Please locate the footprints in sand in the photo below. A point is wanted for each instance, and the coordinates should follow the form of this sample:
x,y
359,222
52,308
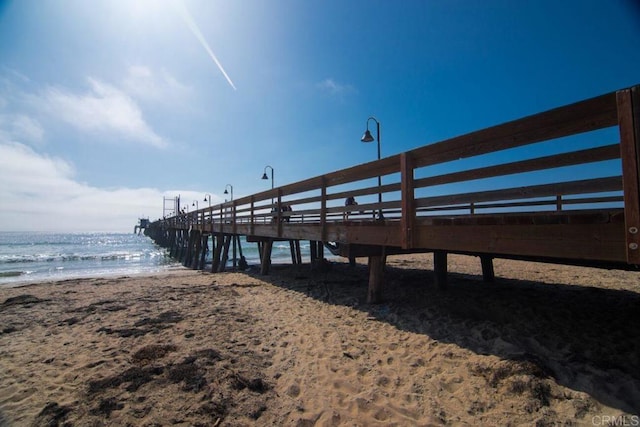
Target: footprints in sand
x,y
293,390
338,361
282,352
121,357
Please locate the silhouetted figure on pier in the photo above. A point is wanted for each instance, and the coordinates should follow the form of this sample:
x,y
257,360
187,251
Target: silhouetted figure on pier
x,y
281,208
349,201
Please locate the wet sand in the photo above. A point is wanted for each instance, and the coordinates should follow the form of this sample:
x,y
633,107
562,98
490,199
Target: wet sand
x,y
544,344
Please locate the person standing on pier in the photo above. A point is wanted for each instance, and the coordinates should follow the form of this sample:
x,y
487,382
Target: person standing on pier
x,y
349,201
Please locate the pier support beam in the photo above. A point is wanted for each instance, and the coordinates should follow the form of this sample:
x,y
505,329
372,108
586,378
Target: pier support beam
x,y
296,255
313,250
488,274
267,246
172,242
242,263
215,262
204,245
184,244
197,247
376,278
225,252
179,245
186,261
440,269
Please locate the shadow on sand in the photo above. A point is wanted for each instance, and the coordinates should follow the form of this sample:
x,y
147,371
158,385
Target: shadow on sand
x,y
586,338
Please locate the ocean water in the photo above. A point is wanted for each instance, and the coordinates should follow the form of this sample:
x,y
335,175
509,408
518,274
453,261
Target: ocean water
x,y
33,257
28,257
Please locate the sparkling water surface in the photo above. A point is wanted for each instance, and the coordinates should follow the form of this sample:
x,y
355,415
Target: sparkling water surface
x,y
32,257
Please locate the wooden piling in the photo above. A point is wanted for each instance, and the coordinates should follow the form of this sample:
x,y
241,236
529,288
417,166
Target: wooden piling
x,y
267,246
187,252
204,242
172,241
178,251
197,247
488,274
313,250
243,262
215,262
376,278
183,245
296,255
440,268
225,252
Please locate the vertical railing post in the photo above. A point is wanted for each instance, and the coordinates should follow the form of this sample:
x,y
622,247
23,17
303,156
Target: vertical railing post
x,y
323,209
407,202
233,215
629,124
221,216
251,215
279,212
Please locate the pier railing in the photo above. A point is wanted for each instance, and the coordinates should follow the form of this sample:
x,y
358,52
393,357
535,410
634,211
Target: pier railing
x,y
572,163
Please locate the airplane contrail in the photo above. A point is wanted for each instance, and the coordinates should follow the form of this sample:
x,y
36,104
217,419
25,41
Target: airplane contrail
x,y
188,19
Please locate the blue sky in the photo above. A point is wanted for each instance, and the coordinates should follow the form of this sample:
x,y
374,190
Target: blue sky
x,y
108,106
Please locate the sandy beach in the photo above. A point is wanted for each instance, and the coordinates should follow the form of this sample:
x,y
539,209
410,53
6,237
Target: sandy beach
x,y
543,345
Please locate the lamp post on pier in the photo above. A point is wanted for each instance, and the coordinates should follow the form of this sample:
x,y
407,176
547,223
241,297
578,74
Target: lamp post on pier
x,y
367,137
195,213
226,192
207,198
264,176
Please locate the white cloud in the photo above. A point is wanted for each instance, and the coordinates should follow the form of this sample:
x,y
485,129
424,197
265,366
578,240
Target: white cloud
x,y
39,193
21,127
334,88
104,109
143,83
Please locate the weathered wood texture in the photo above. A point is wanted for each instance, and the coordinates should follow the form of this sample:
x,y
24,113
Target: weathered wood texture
x,y
629,123
376,277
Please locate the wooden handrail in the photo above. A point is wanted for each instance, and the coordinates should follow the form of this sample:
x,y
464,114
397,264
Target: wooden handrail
x,y
585,186
598,154
591,114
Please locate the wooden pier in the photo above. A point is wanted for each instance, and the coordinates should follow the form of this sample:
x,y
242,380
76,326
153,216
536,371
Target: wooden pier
x,y
579,205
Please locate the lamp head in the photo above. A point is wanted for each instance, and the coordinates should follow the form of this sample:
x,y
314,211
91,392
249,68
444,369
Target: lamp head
x,y
264,176
367,137
205,198
225,191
